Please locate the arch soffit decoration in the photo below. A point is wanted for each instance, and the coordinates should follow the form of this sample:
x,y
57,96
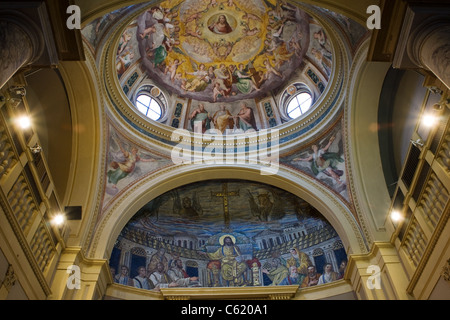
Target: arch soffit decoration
x,y
371,199
88,123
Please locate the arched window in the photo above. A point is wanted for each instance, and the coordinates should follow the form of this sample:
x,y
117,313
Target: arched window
x,y
299,105
296,100
151,102
148,105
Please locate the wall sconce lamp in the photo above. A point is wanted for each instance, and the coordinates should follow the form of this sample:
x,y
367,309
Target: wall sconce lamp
x,y
417,143
36,148
13,102
20,91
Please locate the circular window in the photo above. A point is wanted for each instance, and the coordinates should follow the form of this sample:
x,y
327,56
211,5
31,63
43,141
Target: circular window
x,y
299,105
147,105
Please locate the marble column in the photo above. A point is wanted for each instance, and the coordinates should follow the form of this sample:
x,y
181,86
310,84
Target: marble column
x,y
21,43
429,48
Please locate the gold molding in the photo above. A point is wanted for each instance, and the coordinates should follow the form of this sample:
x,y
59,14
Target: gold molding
x,y
446,271
249,293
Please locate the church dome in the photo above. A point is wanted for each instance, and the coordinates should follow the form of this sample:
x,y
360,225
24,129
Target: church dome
x,y
177,55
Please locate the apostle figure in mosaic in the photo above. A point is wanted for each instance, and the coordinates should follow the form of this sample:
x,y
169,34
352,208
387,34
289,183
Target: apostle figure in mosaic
x,y
233,269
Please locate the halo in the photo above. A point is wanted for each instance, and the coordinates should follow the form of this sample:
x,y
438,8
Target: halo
x,y
227,235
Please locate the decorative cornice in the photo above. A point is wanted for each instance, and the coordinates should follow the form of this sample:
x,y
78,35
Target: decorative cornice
x,y
96,204
259,293
446,271
360,55
10,278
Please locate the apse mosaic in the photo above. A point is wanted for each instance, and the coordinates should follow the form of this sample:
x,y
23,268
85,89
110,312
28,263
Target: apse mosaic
x,y
230,50
227,233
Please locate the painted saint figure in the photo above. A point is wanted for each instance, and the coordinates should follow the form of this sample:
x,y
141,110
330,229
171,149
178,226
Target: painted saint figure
x,y
180,276
123,277
245,119
312,278
221,26
223,119
202,116
277,272
141,281
292,279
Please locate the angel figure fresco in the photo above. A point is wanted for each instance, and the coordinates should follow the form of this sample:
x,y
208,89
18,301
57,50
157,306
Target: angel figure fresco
x,y
323,59
264,208
245,83
157,31
322,39
224,78
124,163
172,67
124,61
124,41
270,70
200,81
187,207
323,161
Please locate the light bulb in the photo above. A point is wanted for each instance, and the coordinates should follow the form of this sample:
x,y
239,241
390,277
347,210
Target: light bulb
x,y
396,216
429,120
24,122
58,219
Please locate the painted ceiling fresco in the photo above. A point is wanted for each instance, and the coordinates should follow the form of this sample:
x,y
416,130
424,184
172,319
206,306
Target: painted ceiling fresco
x,y
227,233
96,31
127,163
222,50
323,160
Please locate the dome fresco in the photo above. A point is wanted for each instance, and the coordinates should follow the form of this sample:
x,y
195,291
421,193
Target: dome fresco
x,y
215,51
